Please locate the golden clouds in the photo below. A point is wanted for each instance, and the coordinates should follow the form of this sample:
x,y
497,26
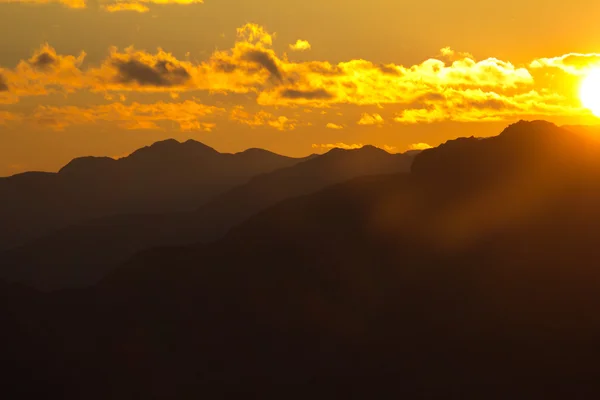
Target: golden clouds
x,y
300,45
419,146
476,105
180,2
66,3
572,63
354,146
334,126
370,119
110,6
6,117
262,118
188,115
138,70
45,72
455,86
343,146
115,7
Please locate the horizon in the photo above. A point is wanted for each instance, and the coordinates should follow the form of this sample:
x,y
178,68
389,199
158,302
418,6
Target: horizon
x,y
105,78
318,150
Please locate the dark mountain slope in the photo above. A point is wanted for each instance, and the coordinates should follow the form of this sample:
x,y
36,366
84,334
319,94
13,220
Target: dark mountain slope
x,y
447,290
83,253
166,177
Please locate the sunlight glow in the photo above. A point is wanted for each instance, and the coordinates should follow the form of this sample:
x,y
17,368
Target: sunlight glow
x,y
589,93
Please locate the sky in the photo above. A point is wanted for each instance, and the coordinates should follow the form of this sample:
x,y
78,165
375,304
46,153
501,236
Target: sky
x,y
103,78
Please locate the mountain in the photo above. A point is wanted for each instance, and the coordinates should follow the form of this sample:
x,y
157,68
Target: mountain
x,y
474,276
82,254
166,177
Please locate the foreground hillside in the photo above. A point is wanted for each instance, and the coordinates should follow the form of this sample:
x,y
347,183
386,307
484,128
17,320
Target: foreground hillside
x,y
474,276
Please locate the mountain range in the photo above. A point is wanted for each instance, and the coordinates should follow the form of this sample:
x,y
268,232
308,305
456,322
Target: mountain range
x,y
473,276
166,177
82,253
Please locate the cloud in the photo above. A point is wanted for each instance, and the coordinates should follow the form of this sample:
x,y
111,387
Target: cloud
x,y
116,7
111,5
262,118
43,73
188,115
45,59
571,63
7,116
66,3
317,94
480,106
338,146
389,149
300,45
370,119
354,146
265,60
453,86
3,84
137,69
419,146
334,126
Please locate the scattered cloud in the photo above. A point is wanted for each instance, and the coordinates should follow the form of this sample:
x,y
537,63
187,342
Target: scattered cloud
x,y
370,119
571,63
300,45
354,146
110,5
419,146
334,126
480,106
116,7
3,84
262,118
454,86
66,3
188,115
7,116
389,149
338,146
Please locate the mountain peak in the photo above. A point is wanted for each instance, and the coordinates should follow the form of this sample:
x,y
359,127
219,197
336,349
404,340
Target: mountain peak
x,y
86,165
531,127
522,146
171,147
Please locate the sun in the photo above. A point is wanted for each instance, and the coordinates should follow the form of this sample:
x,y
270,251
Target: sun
x,y
589,92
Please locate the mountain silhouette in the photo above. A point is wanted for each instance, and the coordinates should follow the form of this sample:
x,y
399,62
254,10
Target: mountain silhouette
x,y
474,276
81,254
167,176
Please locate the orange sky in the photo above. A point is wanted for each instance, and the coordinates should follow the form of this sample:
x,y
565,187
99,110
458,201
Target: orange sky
x,y
81,77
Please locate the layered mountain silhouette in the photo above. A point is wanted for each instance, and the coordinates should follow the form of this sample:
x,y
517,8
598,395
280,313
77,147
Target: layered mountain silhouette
x,y
83,253
476,275
166,177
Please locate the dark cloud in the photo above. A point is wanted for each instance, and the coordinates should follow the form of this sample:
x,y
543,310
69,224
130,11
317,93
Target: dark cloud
x,y
43,60
431,96
487,104
224,66
389,70
318,94
163,73
266,61
176,72
325,70
3,84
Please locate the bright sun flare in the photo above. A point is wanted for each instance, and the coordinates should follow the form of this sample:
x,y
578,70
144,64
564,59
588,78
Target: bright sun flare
x,y
589,93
